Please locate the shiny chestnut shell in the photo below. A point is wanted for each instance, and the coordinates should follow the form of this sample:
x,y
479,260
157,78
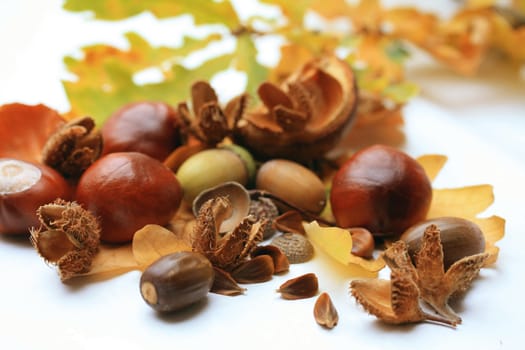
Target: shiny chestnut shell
x,y
128,190
381,189
151,128
18,208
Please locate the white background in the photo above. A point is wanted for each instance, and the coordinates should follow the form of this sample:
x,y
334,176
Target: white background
x,y
477,122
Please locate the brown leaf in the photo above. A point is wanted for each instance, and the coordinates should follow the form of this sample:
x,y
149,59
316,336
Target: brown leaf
x,y
154,241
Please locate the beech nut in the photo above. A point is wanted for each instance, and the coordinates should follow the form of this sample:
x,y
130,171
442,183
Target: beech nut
x,y
151,128
24,187
292,182
176,281
212,167
459,238
126,191
381,189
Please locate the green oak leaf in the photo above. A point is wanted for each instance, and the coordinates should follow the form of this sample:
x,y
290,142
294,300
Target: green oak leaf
x,y
203,11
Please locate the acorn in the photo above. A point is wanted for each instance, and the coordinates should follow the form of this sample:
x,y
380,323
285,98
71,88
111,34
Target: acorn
x,y
212,167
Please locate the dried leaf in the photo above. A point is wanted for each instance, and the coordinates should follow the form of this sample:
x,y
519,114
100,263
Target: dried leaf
x,y
153,241
113,261
25,129
465,202
432,163
337,243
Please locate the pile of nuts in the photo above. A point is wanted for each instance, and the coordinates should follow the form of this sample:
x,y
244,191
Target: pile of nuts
x,y
244,175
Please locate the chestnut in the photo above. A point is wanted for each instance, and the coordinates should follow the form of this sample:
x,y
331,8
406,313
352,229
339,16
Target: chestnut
x,y
381,189
24,187
126,191
176,281
151,128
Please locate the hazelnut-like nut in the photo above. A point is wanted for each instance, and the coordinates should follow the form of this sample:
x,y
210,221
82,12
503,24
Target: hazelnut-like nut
x,y
176,280
24,187
212,167
126,191
292,182
459,238
151,128
381,189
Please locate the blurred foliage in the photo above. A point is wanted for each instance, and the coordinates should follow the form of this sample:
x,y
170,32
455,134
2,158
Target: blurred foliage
x,y
370,37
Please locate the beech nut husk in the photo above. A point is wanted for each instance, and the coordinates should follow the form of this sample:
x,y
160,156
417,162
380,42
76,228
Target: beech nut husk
x,y
305,116
176,281
459,238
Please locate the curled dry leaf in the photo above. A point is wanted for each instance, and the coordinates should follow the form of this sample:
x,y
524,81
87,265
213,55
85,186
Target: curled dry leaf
x,y
398,300
305,116
154,241
25,129
337,243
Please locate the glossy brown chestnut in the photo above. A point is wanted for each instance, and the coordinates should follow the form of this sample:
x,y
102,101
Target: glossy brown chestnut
x,y
176,281
128,190
24,187
151,128
381,189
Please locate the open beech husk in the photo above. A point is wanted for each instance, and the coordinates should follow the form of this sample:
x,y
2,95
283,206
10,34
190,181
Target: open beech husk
x,y
303,118
238,197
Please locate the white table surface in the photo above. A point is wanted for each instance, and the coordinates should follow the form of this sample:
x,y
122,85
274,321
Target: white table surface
x,y
478,122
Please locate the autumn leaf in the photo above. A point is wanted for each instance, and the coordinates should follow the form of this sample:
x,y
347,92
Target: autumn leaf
x,y
25,129
337,243
246,61
154,241
465,202
106,75
203,11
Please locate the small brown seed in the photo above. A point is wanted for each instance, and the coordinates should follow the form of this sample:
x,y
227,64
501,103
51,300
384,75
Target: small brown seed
x,y
224,284
302,287
324,311
362,242
296,247
258,269
280,261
